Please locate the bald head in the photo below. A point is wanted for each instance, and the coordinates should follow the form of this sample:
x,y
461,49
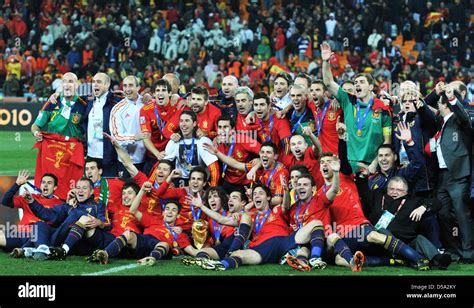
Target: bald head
x,y
173,81
69,85
100,84
230,83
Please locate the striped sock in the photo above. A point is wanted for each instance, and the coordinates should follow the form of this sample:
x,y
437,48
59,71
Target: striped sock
x,y
343,250
303,259
397,247
159,252
240,238
114,248
232,262
203,255
75,234
317,241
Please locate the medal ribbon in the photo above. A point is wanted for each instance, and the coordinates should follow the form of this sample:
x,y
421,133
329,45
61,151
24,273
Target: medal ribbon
x,y
319,122
258,225
297,214
159,123
229,153
295,127
175,236
265,137
361,120
218,227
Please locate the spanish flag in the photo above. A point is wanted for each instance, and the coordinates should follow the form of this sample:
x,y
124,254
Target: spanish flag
x,y
276,68
432,18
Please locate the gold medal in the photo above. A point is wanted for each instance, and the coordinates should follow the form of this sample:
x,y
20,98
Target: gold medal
x,y
190,167
175,244
359,132
218,242
223,174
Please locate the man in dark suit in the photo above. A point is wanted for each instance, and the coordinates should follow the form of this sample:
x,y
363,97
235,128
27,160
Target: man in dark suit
x,y
97,121
453,149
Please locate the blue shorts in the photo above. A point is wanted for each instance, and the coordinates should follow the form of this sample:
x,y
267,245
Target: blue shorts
x,y
359,241
145,245
15,242
223,247
273,249
100,239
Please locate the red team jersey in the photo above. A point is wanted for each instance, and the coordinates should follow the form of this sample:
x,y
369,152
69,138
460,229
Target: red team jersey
x,y
346,209
274,130
123,220
185,219
276,224
206,121
160,231
111,190
328,133
149,123
28,217
241,126
317,209
309,160
271,177
243,148
225,231
150,203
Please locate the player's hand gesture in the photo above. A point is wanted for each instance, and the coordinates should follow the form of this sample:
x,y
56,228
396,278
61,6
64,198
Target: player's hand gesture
x,y
177,230
250,118
146,187
335,105
147,98
28,197
440,87
211,148
53,99
335,165
364,169
306,130
235,216
23,176
38,135
341,128
175,137
200,133
160,155
326,52
404,132
111,139
197,201
176,173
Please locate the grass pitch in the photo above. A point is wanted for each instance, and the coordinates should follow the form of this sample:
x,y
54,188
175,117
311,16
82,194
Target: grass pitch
x,y
77,266
16,152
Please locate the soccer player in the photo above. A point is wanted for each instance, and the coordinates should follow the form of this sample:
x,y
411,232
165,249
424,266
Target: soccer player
x,y
97,121
271,237
153,118
367,127
66,118
280,97
46,198
302,153
206,114
271,128
236,204
272,169
300,115
59,133
296,171
326,117
244,103
106,190
151,202
197,181
96,237
240,147
350,222
80,203
159,238
125,124
189,152
225,99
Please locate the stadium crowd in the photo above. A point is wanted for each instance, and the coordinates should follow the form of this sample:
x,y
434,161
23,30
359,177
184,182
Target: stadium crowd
x,y
235,157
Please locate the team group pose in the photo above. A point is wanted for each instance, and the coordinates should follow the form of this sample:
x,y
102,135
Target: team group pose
x,y
314,173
